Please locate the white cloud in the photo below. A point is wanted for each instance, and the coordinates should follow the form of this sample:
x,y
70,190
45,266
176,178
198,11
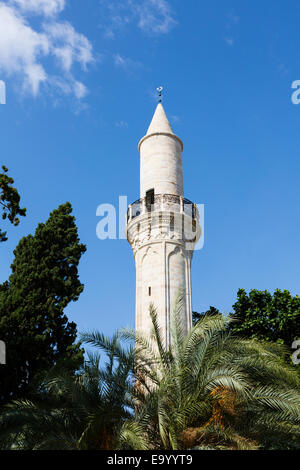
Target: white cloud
x,y
21,48
25,52
231,23
80,90
233,18
155,16
40,7
122,124
35,74
175,118
126,63
68,45
119,60
151,16
229,41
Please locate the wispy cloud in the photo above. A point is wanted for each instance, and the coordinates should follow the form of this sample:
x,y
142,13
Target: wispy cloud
x,y
119,60
44,7
175,118
229,41
68,45
127,64
154,17
122,124
232,20
24,48
282,69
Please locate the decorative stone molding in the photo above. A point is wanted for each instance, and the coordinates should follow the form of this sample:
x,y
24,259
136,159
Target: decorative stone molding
x,y
161,133
163,225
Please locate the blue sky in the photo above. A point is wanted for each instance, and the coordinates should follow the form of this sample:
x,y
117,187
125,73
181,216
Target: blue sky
x,y
81,80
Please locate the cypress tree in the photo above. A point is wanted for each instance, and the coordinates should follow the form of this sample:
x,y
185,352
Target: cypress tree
x,y
33,325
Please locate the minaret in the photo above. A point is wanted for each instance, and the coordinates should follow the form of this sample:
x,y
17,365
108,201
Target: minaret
x,y
162,229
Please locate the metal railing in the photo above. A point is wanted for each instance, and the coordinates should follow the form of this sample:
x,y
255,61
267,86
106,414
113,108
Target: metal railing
x,y
162,202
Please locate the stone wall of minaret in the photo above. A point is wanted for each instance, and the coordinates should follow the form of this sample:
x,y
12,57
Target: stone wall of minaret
x,y
162,229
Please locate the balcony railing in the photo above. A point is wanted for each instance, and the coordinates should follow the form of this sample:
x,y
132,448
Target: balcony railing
x,y
163,202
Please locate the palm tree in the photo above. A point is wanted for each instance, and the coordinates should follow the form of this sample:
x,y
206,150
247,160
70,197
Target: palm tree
x,y
208,390
213,389
85,411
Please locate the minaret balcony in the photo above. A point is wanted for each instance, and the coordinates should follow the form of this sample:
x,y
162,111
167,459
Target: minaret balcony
x,y
163,203
168,217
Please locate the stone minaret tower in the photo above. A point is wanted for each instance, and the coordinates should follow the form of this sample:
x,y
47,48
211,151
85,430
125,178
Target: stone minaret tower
x,y
162,229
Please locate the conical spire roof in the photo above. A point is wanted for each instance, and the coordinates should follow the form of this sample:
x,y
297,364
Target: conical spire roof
x,y
160,122
160,125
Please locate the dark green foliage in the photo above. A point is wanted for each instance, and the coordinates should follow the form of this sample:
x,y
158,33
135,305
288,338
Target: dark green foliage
x,y
44,280
263,316
215,389
209,389
268,317
9,201
67,412
210,312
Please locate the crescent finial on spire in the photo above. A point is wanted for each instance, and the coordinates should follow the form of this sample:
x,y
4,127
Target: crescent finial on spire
x,y
159,89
